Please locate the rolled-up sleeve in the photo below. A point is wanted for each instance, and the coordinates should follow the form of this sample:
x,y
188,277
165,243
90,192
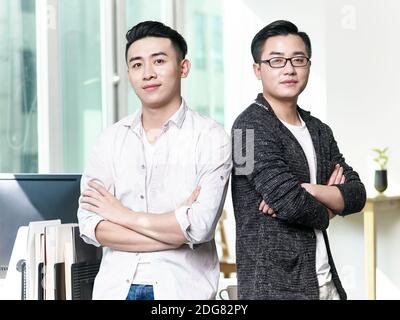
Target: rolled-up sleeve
x,y
198,221
99,169
88,222
181,215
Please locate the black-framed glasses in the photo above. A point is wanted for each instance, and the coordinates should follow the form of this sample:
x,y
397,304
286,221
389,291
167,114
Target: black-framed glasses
x,y
280,62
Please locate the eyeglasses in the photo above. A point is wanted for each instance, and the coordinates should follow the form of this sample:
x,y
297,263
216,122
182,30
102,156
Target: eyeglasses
x,y
280,62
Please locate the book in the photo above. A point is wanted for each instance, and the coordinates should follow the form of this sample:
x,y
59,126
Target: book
x,y
50,249
35,256
64,258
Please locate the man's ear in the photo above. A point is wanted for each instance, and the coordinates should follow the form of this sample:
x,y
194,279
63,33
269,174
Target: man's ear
x,y
185,68
257,70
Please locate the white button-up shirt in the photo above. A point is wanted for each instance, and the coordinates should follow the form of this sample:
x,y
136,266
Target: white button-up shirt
x,y
192,151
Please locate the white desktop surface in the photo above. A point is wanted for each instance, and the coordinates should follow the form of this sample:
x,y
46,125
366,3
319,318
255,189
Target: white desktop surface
x,y
1,288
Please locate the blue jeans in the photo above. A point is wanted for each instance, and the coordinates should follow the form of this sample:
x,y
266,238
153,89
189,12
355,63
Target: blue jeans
x,y
140,292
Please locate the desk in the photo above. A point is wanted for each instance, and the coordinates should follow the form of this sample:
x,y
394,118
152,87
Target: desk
x,y
226,265
374,205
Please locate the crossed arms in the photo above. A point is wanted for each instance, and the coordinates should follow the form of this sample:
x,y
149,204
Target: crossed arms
x,y
104,220
127,230
285,197
328,195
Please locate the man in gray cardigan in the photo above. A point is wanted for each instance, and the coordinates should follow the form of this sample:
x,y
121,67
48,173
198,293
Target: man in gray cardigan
x,y
293,181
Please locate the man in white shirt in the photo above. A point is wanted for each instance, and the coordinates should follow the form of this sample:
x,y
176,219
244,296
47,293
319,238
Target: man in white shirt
x,y
155,183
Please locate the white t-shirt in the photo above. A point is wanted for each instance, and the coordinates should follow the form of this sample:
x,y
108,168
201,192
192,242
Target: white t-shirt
x,y
304,138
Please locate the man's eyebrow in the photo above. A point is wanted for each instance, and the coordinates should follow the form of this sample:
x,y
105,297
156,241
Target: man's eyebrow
x,y
299,53
296,53
276,53
134,58
161,53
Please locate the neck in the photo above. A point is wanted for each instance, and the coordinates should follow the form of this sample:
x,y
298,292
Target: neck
x,y
155,118
285,110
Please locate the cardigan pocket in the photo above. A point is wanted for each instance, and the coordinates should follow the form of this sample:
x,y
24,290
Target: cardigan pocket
x,y
285,260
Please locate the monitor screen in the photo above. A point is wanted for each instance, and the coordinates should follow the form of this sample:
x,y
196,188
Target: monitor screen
x,y
34,197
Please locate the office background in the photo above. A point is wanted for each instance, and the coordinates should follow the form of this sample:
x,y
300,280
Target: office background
x,y
63,79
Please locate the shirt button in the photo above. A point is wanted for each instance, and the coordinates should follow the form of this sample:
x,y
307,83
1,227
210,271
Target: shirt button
x,y
222,178
127,280
143,166
142,197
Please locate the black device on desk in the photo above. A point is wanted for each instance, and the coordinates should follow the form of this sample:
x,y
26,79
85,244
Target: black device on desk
x,y
35,197
21,267
83,270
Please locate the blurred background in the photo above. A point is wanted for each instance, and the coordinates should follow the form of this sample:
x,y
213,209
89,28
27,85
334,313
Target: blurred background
x,y
63,79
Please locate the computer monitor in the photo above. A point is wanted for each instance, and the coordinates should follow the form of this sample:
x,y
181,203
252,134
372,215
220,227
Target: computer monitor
x,y
34,197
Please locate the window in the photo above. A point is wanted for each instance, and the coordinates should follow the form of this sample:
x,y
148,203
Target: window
x,y
80,80
200,49
204,88
18,103
137,11
53,71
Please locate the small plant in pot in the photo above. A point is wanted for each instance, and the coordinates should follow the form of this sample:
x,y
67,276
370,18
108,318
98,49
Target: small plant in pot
x,y
381,182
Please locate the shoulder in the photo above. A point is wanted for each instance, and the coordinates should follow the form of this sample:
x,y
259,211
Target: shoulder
x,y
115,131
253,117
204,126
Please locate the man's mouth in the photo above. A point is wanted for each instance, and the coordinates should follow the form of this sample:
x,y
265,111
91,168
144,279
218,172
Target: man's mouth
x,y
289,82
151,87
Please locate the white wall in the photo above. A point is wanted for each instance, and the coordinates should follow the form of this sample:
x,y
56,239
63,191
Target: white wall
x,y
243,19
363,91
354,87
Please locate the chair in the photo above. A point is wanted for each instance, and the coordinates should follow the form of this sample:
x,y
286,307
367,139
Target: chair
x,y
227,267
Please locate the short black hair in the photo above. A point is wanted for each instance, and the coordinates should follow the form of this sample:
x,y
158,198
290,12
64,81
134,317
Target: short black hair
x,y
156,29
277,28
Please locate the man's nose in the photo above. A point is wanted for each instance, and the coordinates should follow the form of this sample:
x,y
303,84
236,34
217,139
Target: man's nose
x,y
149,73
288,68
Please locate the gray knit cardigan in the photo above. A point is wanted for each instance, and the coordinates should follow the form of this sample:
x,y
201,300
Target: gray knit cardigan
x,y
276,256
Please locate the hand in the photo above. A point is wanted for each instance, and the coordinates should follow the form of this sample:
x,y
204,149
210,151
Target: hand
x,y
337,176
102,202
192,198
266,209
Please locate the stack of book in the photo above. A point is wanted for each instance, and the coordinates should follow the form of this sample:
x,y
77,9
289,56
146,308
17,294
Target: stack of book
x,y
59,264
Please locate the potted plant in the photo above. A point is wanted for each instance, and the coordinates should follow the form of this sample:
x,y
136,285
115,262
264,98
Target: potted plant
x,y
381,174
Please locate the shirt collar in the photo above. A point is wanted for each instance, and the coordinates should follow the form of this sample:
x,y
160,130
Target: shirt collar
x,y
177,119
262,102
179,116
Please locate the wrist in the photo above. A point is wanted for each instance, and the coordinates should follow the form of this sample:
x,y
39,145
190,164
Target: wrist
x,y
124,217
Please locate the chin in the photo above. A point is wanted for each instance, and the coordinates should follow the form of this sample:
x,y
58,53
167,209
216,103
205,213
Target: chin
x,y
290,94
152,102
